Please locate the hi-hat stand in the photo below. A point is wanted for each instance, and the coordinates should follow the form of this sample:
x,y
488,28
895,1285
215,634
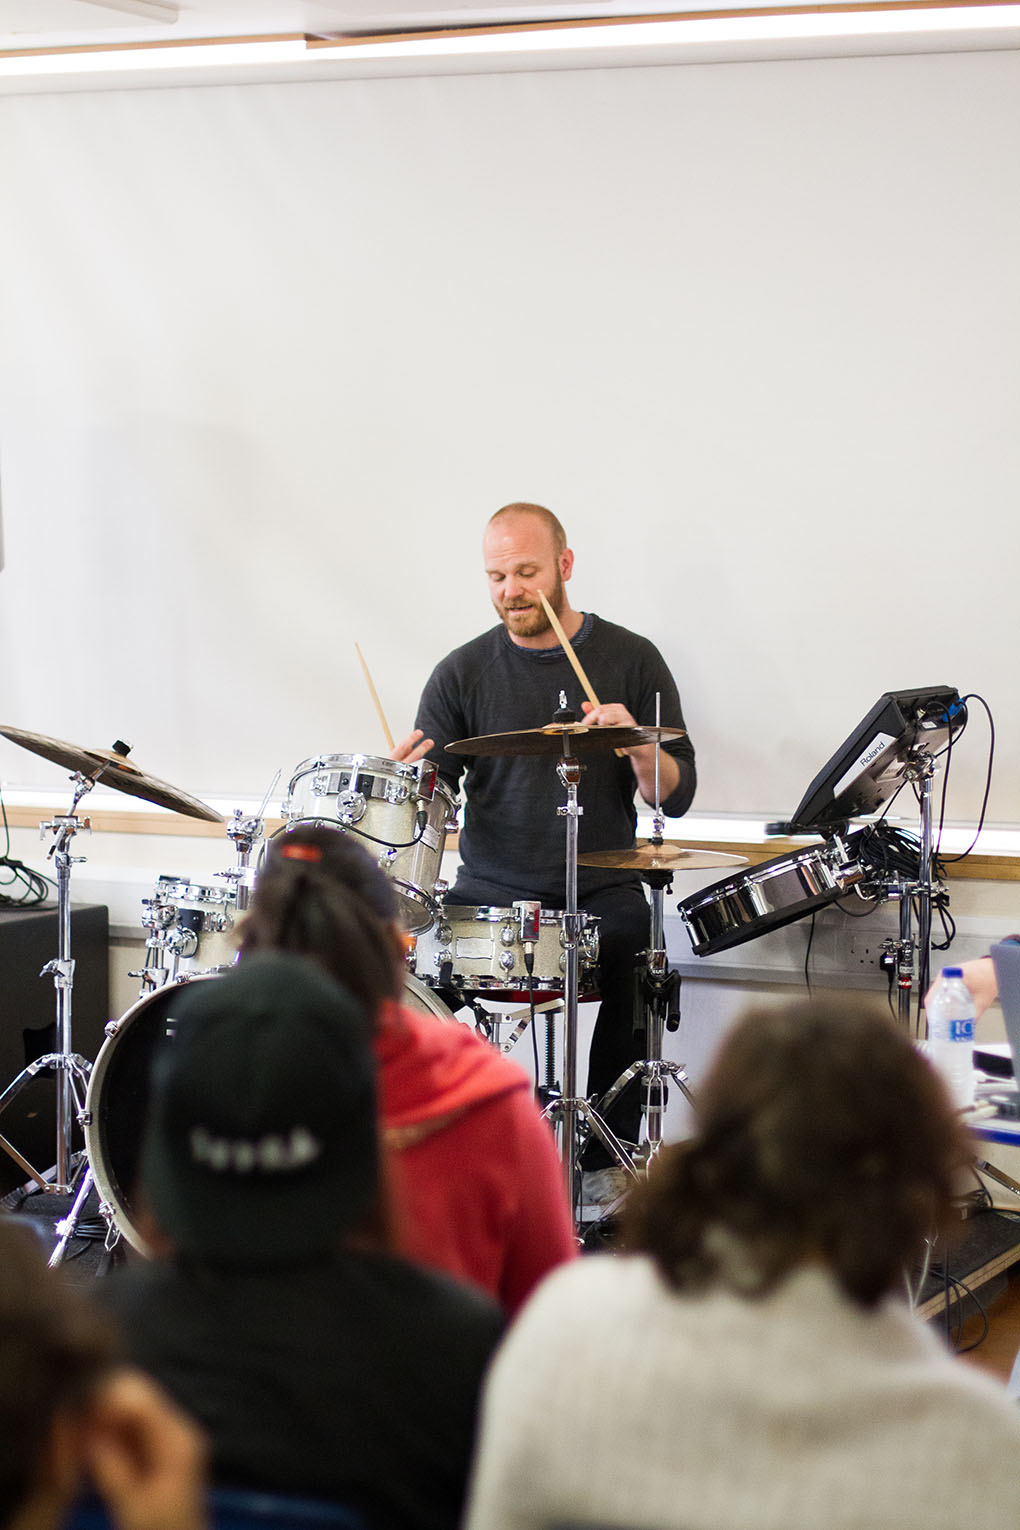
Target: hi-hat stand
x,y
660,992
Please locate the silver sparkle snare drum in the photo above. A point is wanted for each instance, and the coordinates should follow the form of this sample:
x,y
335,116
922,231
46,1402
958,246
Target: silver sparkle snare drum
x,y
400,813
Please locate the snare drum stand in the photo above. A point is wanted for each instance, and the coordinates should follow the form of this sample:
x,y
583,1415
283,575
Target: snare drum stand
x,y
71,1071
570,1109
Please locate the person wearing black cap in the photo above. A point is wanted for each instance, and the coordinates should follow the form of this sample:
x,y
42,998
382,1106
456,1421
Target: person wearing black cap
x,y
320,1364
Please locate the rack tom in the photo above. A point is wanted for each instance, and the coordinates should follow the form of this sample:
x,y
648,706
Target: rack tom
x,y
400,812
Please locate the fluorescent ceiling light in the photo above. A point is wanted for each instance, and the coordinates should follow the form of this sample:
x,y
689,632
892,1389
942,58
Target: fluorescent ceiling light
x,y
125,60
672,35
751,27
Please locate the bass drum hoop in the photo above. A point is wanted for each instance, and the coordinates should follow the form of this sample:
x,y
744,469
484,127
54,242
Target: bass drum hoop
x,y
116,1068
768,896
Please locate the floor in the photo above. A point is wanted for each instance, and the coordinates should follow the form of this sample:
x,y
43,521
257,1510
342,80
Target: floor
x,y
998,1349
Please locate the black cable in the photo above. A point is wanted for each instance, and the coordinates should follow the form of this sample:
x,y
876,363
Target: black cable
x,y
807,953
351,828
12,872
952,859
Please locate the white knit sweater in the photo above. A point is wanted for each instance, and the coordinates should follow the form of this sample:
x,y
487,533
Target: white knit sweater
x,y
616,1402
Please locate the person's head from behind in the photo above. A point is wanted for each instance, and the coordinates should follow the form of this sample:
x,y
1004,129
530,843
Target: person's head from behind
x,y
261,1145
55,1352
319,894
822,1136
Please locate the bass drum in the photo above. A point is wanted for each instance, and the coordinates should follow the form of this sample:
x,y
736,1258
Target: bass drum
x,y
766,897
117,1102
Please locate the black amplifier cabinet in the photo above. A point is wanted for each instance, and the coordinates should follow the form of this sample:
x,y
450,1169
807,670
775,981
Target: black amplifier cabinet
x,y
28,1020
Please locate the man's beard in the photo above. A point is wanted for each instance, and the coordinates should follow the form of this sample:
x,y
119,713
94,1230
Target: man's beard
x,y
532,621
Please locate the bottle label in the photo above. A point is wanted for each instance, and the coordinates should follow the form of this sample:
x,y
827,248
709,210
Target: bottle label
x,y
962,1030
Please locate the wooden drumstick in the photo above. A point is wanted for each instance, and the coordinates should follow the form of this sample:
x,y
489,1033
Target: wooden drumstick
x,y
586,685
375,697
556,626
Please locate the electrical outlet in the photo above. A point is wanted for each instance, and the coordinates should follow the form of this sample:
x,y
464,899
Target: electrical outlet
x,y
864,951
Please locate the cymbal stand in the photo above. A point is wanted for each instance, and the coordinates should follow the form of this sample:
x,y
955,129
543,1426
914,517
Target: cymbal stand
x,y
71,1071
570,1110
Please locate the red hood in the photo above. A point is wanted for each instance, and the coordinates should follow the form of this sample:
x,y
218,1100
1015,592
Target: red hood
x,y
430,1067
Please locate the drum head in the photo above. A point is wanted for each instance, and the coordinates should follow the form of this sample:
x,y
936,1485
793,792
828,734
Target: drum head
x,y
117,1102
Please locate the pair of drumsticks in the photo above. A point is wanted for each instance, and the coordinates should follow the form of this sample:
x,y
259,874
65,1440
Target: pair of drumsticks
x,y
556,626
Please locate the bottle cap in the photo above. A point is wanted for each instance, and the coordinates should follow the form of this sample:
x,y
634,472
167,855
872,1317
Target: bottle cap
x,y
952,972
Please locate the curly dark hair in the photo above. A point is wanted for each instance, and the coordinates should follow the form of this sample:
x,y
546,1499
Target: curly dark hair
x,y
821,1133
321,895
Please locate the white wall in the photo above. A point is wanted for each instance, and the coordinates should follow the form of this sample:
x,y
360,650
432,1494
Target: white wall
x,y
271,355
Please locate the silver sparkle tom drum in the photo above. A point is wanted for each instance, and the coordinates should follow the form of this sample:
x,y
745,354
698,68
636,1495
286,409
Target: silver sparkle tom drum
x,y
117,1101
477,949
766,897
400,813
191,930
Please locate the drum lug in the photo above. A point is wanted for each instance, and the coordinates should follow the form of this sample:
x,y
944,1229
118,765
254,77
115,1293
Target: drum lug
x,y
506,960
84,1118
386,858
111,1027
350,807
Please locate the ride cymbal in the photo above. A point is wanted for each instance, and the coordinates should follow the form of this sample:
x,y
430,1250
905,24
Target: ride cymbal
x,y
110,767
649,856
550,740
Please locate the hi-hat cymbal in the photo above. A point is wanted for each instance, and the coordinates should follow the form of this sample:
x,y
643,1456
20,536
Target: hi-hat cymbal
x,y
584,738
109,767
649,856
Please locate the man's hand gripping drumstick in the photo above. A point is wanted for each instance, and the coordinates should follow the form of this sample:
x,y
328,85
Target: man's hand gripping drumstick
x,y
642,758
415,746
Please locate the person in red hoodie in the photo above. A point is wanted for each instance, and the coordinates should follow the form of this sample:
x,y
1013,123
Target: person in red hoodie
x,y
476,1182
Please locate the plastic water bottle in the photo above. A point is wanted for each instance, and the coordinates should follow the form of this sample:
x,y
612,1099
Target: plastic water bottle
x,y
951,1035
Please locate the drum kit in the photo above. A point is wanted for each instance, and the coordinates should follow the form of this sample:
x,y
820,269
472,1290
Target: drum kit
x,y
402,813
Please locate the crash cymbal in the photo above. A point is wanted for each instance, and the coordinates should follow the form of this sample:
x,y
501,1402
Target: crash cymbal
x,y
110,767
550,739
649,856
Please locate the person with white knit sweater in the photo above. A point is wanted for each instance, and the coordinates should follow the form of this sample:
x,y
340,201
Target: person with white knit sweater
x,y
751,1362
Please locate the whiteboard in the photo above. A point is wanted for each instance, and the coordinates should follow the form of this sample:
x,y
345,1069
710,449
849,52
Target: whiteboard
x,y
271,355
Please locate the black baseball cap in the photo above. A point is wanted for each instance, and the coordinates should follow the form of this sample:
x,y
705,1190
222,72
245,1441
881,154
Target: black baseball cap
x,y
262,1143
